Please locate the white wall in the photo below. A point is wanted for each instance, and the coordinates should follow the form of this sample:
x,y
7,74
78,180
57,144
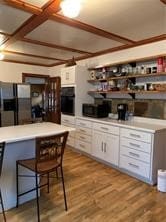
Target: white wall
x,y
123,55
12,72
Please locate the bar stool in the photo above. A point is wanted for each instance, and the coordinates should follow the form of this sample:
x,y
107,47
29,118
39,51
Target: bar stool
x,y
2,148
49,158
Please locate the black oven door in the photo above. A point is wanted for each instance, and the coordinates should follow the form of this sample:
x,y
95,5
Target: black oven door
x,y
68,100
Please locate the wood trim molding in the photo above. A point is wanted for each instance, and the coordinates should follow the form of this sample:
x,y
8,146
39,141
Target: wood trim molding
x,y
32,55
163,1
24,75
23,6
123,47
25,63
91,29
50,45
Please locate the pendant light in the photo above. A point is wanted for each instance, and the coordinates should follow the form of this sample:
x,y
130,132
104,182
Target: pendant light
x,y
71,8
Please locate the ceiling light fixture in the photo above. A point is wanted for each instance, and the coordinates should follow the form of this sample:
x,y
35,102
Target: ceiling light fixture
x,y
71,8
1,56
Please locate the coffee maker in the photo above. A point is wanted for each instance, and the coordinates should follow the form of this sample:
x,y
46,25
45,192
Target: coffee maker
x,y
122,109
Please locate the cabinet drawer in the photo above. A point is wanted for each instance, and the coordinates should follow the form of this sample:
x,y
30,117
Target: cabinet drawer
x,y
135,166
67,120
135,144
84,146
135,154
83,130
83,137
84,123
106,128
71,141
137,135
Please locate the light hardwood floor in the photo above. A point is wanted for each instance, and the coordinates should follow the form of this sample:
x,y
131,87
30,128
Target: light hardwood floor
x,y
95,193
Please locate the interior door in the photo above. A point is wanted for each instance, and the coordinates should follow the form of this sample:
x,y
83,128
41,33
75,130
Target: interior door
x,y
53,89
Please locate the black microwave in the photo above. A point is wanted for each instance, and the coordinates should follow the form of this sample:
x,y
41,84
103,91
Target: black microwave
x,y
95,110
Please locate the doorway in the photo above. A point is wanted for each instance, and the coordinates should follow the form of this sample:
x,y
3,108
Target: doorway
x,y
45,97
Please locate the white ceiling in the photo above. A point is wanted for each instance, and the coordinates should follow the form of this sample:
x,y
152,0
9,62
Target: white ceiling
x,y
135,20
25,47
11,18
65,35
38,3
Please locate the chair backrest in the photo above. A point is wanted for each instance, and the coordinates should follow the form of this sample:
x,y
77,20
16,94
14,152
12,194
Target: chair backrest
x,y
2,148
51,148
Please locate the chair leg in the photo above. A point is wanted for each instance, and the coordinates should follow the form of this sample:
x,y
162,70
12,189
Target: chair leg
x,y
64,193
3,211
17,203
48,183
37,198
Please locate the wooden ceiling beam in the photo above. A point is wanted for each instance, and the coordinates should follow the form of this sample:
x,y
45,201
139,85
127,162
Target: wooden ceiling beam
x,y
34,22
91,29
23,6
163,1
25,63
55,46
32,55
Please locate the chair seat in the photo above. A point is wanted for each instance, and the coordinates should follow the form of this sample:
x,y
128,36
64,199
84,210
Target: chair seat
x,y
42,167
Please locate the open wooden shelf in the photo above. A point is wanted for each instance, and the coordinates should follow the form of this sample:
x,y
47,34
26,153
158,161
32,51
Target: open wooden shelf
x,y
130,92
131,76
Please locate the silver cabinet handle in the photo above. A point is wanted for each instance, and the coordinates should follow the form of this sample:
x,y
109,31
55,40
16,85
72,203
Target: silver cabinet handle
x,y
104,128
82,146
135,135
102,146
133,165
81,130
82,137
136,145
134,154
105,147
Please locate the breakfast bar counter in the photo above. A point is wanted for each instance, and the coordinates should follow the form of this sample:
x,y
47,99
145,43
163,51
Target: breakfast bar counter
x,y
20,144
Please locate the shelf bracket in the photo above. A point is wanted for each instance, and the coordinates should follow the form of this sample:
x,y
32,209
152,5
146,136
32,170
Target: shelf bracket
x,y
104,95
132,95
133,80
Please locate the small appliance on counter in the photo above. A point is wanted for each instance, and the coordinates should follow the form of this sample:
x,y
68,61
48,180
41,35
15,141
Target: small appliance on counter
x,y
122,111
95,110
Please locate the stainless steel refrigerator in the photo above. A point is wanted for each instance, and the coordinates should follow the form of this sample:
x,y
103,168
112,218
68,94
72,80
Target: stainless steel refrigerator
x,y
15,103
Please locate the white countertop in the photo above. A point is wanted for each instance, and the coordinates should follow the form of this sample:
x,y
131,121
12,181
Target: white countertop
x,y
30,131
143,124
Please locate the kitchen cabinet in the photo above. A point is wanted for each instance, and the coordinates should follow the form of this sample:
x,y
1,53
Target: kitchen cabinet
x,y
83,135
67,120
68,75
141,153
105,143
76,76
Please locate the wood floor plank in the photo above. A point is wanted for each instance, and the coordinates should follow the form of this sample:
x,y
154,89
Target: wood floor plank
x,y
95,193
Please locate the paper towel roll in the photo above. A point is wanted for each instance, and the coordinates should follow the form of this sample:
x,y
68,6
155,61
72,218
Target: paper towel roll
x,y
161,181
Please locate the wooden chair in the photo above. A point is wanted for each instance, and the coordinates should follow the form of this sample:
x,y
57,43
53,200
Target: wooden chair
x,y
49,158
2,147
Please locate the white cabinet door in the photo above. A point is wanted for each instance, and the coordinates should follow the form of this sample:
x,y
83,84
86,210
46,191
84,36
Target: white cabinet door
x,y
97,144
68,75
111,148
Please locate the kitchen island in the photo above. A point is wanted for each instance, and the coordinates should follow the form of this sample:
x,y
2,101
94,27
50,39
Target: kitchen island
x,y
20,144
